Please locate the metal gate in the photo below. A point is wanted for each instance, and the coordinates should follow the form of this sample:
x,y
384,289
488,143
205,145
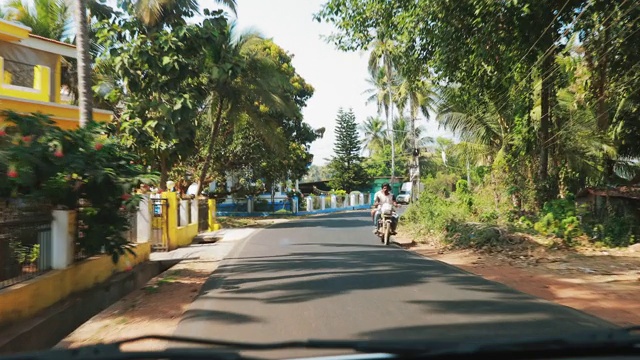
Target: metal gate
x,y
160,225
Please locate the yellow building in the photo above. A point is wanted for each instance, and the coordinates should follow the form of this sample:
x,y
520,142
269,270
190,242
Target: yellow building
x,y
30,76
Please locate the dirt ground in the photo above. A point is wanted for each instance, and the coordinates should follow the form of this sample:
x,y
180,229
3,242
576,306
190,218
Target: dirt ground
x,y
154,309
604,283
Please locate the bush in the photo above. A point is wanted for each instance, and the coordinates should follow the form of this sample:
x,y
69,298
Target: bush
x,y
61,167
559,219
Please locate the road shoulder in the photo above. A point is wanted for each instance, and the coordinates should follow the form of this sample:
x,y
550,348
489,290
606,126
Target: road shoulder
x,y
605,284
157,308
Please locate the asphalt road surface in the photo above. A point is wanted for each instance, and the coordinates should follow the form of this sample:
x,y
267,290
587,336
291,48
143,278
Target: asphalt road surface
x,y
329,277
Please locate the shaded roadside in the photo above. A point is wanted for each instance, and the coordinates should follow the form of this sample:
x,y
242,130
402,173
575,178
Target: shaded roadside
x,y
605,284
156,308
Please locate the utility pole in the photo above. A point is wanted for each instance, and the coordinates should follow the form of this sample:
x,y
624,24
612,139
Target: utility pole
x,y
415,164
393,142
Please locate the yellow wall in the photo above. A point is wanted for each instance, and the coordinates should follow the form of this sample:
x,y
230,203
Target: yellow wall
x,y
26,299
179,236
41,90
213,224
36,99
65,116
12,31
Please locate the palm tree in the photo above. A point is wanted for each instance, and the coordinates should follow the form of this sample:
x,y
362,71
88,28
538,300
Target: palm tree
x,y
85,98
381,58
481,127
47,18
374,134
418,96
379,93
251,73
154,13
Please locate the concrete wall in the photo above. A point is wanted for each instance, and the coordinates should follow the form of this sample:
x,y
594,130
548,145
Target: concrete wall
x,y
26,299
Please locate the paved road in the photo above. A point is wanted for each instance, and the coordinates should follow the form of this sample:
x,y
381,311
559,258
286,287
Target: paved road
x,y
329,277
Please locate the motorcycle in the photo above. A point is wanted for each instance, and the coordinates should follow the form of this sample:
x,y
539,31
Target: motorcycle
x,y
385,223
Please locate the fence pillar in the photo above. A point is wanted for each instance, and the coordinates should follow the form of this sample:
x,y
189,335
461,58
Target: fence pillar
x,y
194,211
184,212
250,204
143,220
63,229
334,202
294,204
361,199
213,224
323,202
310,203
173,203
352,200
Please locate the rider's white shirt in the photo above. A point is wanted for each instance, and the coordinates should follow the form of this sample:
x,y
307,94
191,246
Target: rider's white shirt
x,y
381,198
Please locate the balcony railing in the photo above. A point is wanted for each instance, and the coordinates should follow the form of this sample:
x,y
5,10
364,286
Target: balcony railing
x,y
25,81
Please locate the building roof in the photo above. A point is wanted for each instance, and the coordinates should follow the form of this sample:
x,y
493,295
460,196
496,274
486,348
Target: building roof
x,y
627,192
17,33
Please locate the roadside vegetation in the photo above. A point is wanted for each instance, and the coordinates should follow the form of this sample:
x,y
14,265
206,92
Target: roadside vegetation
x,y
544,101
194,99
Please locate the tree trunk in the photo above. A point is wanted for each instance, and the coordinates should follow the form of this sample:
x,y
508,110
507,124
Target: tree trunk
x,y
85,98
164,173
545,118
215,130
494,183
598,66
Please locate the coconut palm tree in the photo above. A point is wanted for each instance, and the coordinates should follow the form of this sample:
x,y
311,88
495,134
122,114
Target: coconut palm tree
x,y
251,72
47,18
381,60
374,134
379,93
85,96
154,13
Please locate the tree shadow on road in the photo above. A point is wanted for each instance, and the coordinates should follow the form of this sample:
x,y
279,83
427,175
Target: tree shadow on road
x,y
497,330
452,303
306,276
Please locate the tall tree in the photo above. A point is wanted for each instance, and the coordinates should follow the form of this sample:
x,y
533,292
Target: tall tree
x,y
156,13
85,95
374,134
251,77
164,94
345,167
381,61
47,18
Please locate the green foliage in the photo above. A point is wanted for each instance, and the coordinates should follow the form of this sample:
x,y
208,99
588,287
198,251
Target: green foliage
x,y
613,225
162,73
346,169
547,107
24,254
442,184
464,194
559,219
61,167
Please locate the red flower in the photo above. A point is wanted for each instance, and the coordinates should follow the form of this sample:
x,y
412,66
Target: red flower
x,y
12,173
26,138
58,154
98,146
125,197
3,132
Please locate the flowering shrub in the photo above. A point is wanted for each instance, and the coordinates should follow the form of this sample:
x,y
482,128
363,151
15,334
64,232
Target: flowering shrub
x,y
83,169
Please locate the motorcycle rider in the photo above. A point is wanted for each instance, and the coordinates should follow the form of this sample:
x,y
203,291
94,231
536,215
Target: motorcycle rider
x,y
384,196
